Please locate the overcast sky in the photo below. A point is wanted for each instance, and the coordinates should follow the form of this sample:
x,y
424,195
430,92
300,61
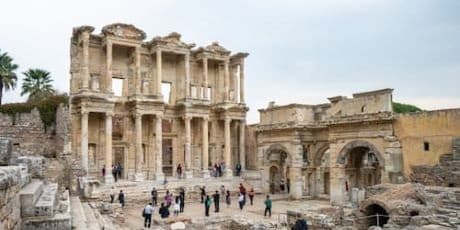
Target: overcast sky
x,y
300,51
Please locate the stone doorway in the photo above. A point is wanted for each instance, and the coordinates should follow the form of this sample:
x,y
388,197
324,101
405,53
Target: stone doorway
x,y
378,216
275,178
119,157
167,153
326,183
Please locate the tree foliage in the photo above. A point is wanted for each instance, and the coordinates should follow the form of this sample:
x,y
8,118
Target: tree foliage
x,y
8,76
405,108
37,84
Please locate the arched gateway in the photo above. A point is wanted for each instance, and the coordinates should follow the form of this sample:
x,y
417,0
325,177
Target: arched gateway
x,y
276,157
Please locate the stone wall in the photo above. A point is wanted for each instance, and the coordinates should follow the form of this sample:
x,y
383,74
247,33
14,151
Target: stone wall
x,y
10,185
29,135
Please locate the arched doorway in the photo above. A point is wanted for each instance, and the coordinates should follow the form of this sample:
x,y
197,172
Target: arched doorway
x,y
363,165
276,158
322,165
378,216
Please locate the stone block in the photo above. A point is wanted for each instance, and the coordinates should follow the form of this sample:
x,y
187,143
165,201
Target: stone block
x,y
46,202
5,151
29,196
35,165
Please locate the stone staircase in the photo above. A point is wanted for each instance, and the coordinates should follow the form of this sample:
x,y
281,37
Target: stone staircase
x,y
448,210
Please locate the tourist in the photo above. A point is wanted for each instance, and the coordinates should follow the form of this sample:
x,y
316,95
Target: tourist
x,y
165,181
282,186
163,211
222,168
216,170
176,206
216,198
114,173
227,198
147,213
222,190
207,205
112,195
238,169
179,171
241,201
268,206
243,191
103,171
219,169
121,198
203,193
154,194
251,195
182,200
119,170
168,199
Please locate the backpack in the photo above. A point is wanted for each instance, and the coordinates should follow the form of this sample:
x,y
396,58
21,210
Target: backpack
x,y
143,213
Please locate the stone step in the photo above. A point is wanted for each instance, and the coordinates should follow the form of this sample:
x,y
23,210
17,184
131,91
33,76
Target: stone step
x,y
28,196
78,214
47,201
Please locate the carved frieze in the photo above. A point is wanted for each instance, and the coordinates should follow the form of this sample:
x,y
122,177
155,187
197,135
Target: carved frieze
x,y
122,30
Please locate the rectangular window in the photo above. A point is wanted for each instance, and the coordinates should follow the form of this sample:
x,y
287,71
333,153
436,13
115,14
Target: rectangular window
x,y
426,146
117,86
166,91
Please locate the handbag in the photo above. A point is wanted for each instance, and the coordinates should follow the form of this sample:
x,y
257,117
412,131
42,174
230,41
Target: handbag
x,y
143,213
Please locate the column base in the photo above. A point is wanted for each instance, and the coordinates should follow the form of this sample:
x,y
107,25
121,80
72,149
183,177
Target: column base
x,y
139,177
108,179
159,176
296,190
228,173
206,174
188,174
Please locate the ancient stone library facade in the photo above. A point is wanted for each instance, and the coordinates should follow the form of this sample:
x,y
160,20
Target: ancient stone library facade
x,y
152,105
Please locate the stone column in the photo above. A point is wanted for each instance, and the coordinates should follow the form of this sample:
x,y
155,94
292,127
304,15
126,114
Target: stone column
x,y
205,157
213,141
337,185
226,80
187,75
205,77
295,177
227,153
159,175
242,82
108,148
108,77
84,142
188,150
137,55
242,145
139,175
235,79
85,63
159,72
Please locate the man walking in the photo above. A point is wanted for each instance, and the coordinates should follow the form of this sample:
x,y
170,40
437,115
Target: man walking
x,y
112,195
147,213
121,198
182,200
241,201
207,205
203,193
216,198
268,206
251,195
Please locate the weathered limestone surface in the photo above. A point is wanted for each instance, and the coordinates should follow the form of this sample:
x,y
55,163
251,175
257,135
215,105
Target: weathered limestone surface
x,y
10,185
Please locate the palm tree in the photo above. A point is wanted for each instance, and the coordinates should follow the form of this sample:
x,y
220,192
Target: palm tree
x,y
37,84
8,76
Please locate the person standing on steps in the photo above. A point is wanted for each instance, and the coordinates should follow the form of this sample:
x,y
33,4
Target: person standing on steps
x,y
182,200
288,185
119,170
121,198
203,193
114,172
179,171
207,205
241,201
154,195
112,195
238,169
147,213
251,195
227,198
164,212
268,206
216,198
103,171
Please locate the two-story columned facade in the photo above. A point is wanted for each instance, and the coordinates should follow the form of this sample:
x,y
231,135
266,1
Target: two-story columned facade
x,y
152,105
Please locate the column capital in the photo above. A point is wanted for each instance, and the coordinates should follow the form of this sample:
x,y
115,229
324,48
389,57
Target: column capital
x,y
187,118
158,50
227,119
205,118
84,112
138,115
159,116
109,114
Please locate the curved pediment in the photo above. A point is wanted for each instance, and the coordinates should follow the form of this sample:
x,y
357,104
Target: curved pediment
x,y
215,48
171,40
122,30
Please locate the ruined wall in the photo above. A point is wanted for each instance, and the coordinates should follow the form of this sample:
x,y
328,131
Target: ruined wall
x,y
366,102
435,128
10,185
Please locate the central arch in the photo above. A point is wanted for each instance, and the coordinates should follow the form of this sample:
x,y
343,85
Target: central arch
x,y
276,158
378,215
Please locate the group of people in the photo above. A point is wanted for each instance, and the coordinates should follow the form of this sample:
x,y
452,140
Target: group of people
x,y
121,197
177,203
117,171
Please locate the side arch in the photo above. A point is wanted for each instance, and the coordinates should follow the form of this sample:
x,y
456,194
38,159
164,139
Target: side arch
x,y
359,144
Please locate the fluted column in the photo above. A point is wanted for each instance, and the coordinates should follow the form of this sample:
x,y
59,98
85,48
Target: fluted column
x,y
84,141
188,150
226,80
187,75
205,77
227,150
242,82
137,54
159,175
159,72
85,63
108,76
242,145
139,175
205,147
108,148
235,78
